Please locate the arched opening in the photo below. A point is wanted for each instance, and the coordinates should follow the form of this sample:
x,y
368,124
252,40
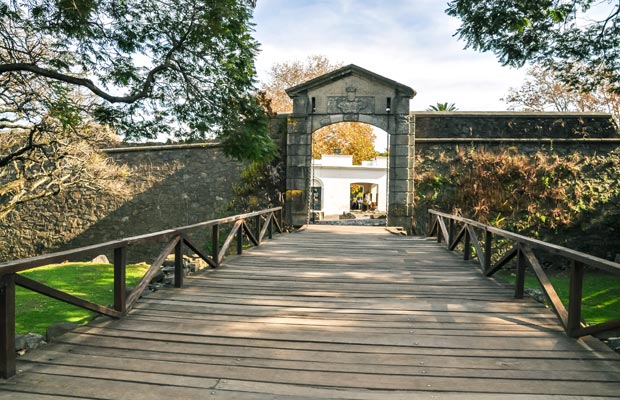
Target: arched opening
x,y
349,94
349,172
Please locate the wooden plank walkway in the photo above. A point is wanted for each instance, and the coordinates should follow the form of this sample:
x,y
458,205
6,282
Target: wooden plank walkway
x,y
327,313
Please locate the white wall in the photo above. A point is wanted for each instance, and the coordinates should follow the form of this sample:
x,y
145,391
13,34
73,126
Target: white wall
x,y
335,174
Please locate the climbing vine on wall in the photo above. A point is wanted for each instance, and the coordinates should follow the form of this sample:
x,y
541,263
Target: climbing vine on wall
x,y
544,194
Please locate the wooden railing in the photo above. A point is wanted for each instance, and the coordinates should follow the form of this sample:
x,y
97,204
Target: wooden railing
x,y
264,223
453,230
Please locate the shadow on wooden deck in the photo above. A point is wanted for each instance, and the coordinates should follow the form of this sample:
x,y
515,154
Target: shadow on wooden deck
x,y
331,312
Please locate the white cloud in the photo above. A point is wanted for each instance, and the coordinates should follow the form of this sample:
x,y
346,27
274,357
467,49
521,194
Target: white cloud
x,y
410,41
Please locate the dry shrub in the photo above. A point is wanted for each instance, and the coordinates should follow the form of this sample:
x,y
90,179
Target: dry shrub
x,y
526,193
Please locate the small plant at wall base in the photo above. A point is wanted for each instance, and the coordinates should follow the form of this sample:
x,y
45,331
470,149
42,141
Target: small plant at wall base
x,y
572,200
263,183
262,186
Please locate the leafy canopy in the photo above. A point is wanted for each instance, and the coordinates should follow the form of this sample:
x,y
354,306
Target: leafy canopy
x,y
350,138
155,67
49,143
578,38
543,91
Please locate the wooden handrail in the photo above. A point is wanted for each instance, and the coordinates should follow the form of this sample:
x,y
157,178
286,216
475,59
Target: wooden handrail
x,y
53,258
175,239
593,261
522,249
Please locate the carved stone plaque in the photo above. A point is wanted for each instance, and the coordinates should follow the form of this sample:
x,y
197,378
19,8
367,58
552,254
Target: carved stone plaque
x,y
351,103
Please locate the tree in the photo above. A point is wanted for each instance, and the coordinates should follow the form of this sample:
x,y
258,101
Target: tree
x,y
542,91
183,68
351,137
442,107
48,145
580,39
290,73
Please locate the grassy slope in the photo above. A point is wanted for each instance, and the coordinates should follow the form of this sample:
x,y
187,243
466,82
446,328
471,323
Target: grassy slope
x,y
601,293
94,282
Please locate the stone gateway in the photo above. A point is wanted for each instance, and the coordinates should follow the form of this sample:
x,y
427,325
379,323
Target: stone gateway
x,y
350,94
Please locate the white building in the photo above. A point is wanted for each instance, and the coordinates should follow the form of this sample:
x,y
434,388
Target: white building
x,y
332,180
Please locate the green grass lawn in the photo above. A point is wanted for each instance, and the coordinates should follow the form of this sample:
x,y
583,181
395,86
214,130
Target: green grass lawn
x,y
601,292
93,282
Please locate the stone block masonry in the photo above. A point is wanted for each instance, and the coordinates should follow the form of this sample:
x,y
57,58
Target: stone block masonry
x,y
500,125
169,186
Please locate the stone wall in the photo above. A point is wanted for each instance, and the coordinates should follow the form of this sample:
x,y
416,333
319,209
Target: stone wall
x,y
440,135
183,184
169,186
513,125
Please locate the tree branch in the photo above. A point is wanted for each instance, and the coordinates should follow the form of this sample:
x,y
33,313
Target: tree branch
x,y
87,83
4,161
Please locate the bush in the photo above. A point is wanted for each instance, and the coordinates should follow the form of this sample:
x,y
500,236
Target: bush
x,y
549,196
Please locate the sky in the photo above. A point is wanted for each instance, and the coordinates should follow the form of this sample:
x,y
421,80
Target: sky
x,y
409,41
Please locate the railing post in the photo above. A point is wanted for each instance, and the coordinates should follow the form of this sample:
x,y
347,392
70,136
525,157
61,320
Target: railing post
x,y
430,224
439,232
281,218
450,233
466,245
574,298
178,264
120,271
488,248
270,230
215,244
520,280
257,229
240,238
7,326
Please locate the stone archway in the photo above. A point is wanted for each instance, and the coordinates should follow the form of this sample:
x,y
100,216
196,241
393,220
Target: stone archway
x,y
350,94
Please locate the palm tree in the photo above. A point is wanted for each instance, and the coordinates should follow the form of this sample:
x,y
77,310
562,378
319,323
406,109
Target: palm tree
x,y
442,107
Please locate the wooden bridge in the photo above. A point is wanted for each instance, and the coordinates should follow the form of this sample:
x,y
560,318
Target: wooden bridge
x,y
327,312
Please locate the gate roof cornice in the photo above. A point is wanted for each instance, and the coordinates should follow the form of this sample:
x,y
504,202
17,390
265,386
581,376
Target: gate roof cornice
x,y
351,69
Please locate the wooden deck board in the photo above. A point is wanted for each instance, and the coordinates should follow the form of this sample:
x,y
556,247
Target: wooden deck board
x,y
330,312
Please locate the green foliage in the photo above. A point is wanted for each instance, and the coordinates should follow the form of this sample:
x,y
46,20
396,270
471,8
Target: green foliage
x,y
565,36
262,186
94,282
182,68
442,107
263,183
250,140
542,195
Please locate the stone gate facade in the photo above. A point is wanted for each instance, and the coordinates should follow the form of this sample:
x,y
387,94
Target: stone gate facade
x,y
350,94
